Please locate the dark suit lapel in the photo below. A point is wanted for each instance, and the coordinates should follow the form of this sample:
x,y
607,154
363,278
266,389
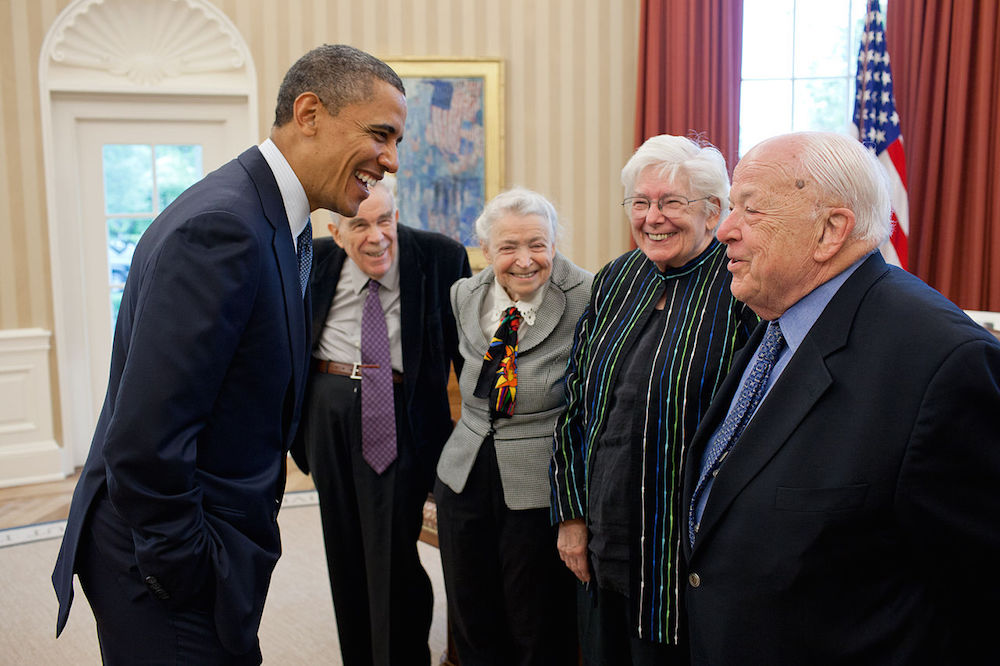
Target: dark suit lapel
x,y
713,417
411,306
284,253
791,399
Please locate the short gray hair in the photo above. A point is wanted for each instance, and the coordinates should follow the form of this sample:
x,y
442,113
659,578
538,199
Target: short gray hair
x,y
849,175
516,201
340,75
699,162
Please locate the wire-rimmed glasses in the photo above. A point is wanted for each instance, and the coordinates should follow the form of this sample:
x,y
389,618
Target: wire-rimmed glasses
x,y
668,203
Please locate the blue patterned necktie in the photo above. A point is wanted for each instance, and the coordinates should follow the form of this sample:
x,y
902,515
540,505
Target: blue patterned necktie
x,y
378,416
304,245
741,413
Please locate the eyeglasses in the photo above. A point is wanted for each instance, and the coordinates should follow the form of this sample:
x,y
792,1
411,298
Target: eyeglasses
x,y
672,203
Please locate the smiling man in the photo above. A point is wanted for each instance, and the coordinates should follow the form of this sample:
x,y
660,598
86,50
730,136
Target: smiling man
x,y
173,525
371,439
852,518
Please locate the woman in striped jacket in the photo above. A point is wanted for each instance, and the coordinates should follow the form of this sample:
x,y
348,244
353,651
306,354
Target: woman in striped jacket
x,y
649,353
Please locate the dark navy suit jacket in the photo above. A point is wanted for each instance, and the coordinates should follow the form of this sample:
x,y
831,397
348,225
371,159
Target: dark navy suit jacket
x,y
208,369
429,263
857,519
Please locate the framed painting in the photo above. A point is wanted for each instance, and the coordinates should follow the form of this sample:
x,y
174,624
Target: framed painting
x,y
451,158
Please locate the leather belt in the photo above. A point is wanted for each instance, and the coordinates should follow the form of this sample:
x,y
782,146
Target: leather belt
x,y
352,370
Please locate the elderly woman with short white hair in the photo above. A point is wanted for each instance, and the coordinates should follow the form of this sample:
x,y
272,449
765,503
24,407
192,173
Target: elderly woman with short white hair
x,y
655,343
510,600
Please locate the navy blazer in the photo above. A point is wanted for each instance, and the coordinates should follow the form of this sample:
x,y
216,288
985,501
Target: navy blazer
x,y
208,370
857,519
429,263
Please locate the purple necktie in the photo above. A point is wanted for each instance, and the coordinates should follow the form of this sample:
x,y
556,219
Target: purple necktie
x,y
378,418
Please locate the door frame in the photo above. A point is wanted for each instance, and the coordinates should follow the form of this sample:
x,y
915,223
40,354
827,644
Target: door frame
x,y
75,86
92,123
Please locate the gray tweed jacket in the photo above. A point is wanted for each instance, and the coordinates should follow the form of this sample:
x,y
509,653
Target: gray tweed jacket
x,y
523,442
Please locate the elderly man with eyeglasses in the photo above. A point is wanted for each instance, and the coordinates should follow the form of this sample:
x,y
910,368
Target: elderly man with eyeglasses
x,y
649,353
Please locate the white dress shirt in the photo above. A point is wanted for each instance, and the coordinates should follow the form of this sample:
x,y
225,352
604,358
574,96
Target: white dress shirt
x,y
497,302
293,195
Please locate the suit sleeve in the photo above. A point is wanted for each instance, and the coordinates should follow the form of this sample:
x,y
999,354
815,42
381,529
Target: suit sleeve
x,y
949,492
567,469
458,268
195,297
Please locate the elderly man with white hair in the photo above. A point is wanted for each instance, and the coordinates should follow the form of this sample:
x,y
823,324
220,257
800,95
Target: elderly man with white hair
x,y
842,492
375,417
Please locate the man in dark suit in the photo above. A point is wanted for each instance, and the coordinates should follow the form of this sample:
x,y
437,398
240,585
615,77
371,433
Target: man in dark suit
x,y
855,519
372,513
172,528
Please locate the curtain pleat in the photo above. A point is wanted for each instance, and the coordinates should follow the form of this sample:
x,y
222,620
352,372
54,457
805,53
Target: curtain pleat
x,y
690,53
946,67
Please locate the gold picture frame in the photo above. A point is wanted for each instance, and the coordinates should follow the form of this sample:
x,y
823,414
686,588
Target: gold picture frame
x,y
442,141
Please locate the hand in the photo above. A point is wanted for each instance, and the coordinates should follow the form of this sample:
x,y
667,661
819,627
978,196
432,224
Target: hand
x,y
572,545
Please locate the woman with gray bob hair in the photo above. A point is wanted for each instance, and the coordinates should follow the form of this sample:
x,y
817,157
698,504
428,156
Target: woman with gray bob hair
x,y
510,600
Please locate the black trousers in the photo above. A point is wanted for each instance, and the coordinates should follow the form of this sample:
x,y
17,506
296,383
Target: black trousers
x,y
607,637
133,627
510,598
382,596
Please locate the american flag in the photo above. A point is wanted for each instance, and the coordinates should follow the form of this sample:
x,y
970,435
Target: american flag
x,y
877,125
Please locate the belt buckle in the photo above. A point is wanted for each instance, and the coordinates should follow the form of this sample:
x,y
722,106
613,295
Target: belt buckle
x,y
355,371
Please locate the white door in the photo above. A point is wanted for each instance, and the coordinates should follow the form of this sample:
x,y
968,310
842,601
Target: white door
x,y
126,171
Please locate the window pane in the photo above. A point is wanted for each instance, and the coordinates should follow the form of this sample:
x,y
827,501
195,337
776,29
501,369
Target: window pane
x,y
123,234
822,38
820,104
177,168
128,179
767,38
765,110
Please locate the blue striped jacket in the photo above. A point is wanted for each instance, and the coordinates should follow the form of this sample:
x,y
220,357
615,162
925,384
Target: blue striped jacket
x,y
704,327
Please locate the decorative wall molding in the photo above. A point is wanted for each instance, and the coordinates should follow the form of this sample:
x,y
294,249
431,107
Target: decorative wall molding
x,y
144,45
28,452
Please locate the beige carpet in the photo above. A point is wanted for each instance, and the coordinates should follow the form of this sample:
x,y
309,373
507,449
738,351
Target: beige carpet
x,y
297,628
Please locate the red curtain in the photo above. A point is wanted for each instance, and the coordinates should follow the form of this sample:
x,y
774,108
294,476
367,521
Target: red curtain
x,y
690,53
946,78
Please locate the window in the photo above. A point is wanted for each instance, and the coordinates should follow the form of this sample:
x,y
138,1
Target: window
x,y
140,180
800,61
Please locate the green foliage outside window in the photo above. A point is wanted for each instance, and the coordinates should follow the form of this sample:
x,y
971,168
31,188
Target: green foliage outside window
x,y
140,180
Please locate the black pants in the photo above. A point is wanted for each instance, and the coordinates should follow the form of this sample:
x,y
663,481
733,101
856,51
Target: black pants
x,y
510,598
607,637
133,627
382,596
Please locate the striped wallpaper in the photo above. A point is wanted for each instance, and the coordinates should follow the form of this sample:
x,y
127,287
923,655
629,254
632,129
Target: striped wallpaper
x,y
569,69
